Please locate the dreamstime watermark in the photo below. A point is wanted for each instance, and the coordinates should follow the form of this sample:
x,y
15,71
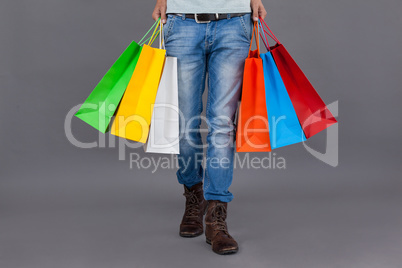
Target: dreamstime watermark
x,y
221,136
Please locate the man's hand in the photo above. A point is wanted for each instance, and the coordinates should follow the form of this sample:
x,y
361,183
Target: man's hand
x,y
258,9
160,11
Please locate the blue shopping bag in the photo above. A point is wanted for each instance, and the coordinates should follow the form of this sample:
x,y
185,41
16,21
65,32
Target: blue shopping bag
x,y
284,126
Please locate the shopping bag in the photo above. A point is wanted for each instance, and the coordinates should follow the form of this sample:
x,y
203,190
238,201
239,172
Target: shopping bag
x,y
133,115
313,114
164,131
101,104
99,107
284,126
252,134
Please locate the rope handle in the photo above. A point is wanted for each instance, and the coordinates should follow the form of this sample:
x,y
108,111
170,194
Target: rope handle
x,y
270,33
153,36
255,34
264,40
161,36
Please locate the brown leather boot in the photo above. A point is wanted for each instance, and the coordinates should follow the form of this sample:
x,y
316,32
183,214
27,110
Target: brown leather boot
x,y
192,222
216,230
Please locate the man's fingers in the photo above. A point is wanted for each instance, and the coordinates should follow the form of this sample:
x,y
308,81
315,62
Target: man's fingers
x,y
163,15
255,9
262,12
159,12
155,14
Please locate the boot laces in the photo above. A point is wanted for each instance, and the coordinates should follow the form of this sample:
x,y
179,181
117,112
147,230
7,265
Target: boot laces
x,y
192,204
218,218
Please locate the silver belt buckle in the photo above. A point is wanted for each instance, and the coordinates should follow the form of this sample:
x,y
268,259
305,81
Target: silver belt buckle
x,y
204,21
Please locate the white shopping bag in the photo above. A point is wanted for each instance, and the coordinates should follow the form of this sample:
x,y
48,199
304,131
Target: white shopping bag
x,y
164,132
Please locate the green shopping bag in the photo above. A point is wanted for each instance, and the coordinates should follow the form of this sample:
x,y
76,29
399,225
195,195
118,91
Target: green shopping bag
x,y
100,106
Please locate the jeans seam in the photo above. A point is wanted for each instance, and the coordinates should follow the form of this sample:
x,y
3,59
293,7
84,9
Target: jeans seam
x,y
207,113
213,40
243,24
200,94
201,91
169,29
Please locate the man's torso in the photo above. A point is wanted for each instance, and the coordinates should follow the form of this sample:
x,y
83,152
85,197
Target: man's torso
x,y
208,6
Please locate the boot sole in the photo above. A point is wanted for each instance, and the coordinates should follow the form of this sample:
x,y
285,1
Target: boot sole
x,y
190,235
225,252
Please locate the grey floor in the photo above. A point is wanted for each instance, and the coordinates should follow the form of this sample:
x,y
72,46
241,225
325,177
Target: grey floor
x,y
83,212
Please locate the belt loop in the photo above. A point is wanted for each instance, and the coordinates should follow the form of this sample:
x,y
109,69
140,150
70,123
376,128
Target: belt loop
x,y
228,16
183,17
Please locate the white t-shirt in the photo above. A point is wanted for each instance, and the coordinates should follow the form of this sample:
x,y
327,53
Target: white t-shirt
x,y
208,6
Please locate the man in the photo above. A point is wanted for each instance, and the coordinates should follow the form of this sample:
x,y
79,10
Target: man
x,y
208,36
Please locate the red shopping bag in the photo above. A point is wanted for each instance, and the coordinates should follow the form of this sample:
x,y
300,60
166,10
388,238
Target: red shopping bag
x,y
252,133
311,110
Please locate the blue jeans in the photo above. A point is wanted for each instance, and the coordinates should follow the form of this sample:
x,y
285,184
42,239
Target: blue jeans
x,y
218,48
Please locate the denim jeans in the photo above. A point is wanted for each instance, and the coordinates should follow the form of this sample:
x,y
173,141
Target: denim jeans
x,y
218,48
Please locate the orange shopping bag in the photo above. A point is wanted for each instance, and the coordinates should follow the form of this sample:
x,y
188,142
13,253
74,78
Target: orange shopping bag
x,y
252,133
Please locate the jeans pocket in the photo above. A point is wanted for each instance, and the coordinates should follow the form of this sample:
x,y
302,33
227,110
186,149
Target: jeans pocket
x,y
247,25
168,27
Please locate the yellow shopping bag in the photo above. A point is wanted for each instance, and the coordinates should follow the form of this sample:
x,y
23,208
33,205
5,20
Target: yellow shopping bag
x,y
133,116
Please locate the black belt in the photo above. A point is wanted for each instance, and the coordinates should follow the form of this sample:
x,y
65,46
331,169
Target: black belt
x,y
208,17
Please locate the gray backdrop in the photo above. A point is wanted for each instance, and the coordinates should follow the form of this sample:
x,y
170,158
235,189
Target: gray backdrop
x,y
63,206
